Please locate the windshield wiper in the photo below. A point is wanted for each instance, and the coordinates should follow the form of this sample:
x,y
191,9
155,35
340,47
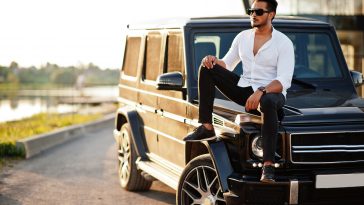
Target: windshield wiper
x,y
304,83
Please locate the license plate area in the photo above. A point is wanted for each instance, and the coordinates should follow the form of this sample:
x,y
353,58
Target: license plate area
x,y
339,180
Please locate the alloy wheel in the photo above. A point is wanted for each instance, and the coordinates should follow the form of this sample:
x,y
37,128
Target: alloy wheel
x,y
124,157
201,186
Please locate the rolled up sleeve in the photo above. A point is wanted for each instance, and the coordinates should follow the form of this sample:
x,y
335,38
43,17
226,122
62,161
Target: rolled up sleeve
x,y
231,59
285,65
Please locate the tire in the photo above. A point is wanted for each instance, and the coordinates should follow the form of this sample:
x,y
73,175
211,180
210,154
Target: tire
x,y
130,178
199,183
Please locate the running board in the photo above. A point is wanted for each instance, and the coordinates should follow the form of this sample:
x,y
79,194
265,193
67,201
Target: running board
x,y
162,174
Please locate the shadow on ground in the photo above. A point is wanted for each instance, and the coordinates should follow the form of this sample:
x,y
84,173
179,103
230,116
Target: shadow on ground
x,y
8,201
162,196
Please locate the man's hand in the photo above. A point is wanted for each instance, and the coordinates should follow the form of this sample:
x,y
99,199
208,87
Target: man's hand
x,y
209,61
253,101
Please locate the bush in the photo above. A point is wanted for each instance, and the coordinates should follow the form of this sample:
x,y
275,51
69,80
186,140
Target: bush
x,y
10,150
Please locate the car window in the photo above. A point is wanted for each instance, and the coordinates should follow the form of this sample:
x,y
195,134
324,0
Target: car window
x,y
132,52
315,56
216,44
175,54
154,56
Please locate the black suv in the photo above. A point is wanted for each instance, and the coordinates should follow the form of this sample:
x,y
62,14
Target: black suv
x,y
320,155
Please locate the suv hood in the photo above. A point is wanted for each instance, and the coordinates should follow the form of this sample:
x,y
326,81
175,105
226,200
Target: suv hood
x,y
349,112
316,116
322,99
324,109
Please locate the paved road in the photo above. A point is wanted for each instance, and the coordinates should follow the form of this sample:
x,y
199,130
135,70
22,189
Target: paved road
x,y
83,171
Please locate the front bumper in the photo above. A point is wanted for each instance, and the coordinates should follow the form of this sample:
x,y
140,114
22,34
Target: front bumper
x,y
293,191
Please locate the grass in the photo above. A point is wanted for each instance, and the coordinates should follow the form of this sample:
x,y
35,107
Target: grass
x,y
10,132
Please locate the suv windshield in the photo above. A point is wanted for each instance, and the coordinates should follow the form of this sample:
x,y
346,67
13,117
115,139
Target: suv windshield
x,y
314,54
315,57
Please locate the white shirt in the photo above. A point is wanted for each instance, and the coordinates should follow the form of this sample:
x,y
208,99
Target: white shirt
x,y
273,61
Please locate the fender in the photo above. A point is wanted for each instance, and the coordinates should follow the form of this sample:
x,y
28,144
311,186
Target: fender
x,y
137,134
221,160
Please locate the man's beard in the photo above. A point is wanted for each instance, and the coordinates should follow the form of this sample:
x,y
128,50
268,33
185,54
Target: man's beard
x,y
256,25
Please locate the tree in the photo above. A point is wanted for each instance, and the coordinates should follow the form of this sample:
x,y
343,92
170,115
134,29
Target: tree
x,y
14,65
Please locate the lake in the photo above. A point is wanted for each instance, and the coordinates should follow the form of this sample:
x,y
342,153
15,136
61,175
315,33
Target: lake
x,y
18,104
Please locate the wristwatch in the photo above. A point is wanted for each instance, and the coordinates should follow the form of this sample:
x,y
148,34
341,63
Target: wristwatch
x,y
264,91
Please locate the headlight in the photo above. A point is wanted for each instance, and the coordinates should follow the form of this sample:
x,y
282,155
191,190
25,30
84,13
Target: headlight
x,y
257,146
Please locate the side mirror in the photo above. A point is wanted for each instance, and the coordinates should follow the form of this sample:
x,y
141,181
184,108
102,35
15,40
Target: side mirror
x,y
357,78
170,81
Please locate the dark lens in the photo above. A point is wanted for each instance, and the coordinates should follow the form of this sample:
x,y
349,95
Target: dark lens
x,y
249,11
259,12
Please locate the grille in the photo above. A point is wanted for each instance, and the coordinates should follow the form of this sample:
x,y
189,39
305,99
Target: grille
x,y
327,148
217,121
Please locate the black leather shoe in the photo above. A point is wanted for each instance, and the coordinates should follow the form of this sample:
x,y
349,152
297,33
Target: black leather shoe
x,y
267,174
200,134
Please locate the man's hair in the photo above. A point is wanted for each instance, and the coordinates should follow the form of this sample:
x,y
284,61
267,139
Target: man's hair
x,y
272,4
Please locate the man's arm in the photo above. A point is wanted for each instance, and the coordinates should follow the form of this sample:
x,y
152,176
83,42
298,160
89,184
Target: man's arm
x,y
285,65
253,101
274,87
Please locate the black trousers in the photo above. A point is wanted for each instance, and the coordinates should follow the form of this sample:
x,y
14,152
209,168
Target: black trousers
x,y
227,83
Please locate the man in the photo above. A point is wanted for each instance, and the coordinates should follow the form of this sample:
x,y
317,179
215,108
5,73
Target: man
x,y
267,57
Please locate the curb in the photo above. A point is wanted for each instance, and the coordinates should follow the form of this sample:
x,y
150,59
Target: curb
x,y
39,143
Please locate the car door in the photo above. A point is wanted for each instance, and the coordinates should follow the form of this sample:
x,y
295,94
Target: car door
x,y
148,94
172,106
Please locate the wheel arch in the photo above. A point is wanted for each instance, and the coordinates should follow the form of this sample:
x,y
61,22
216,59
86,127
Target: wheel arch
x,y
129,115
221,160
194,150
120,120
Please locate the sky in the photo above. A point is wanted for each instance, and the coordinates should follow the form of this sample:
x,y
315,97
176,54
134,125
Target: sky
x,y
78,32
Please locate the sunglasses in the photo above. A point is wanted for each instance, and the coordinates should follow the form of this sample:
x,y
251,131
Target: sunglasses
x,y
258,12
